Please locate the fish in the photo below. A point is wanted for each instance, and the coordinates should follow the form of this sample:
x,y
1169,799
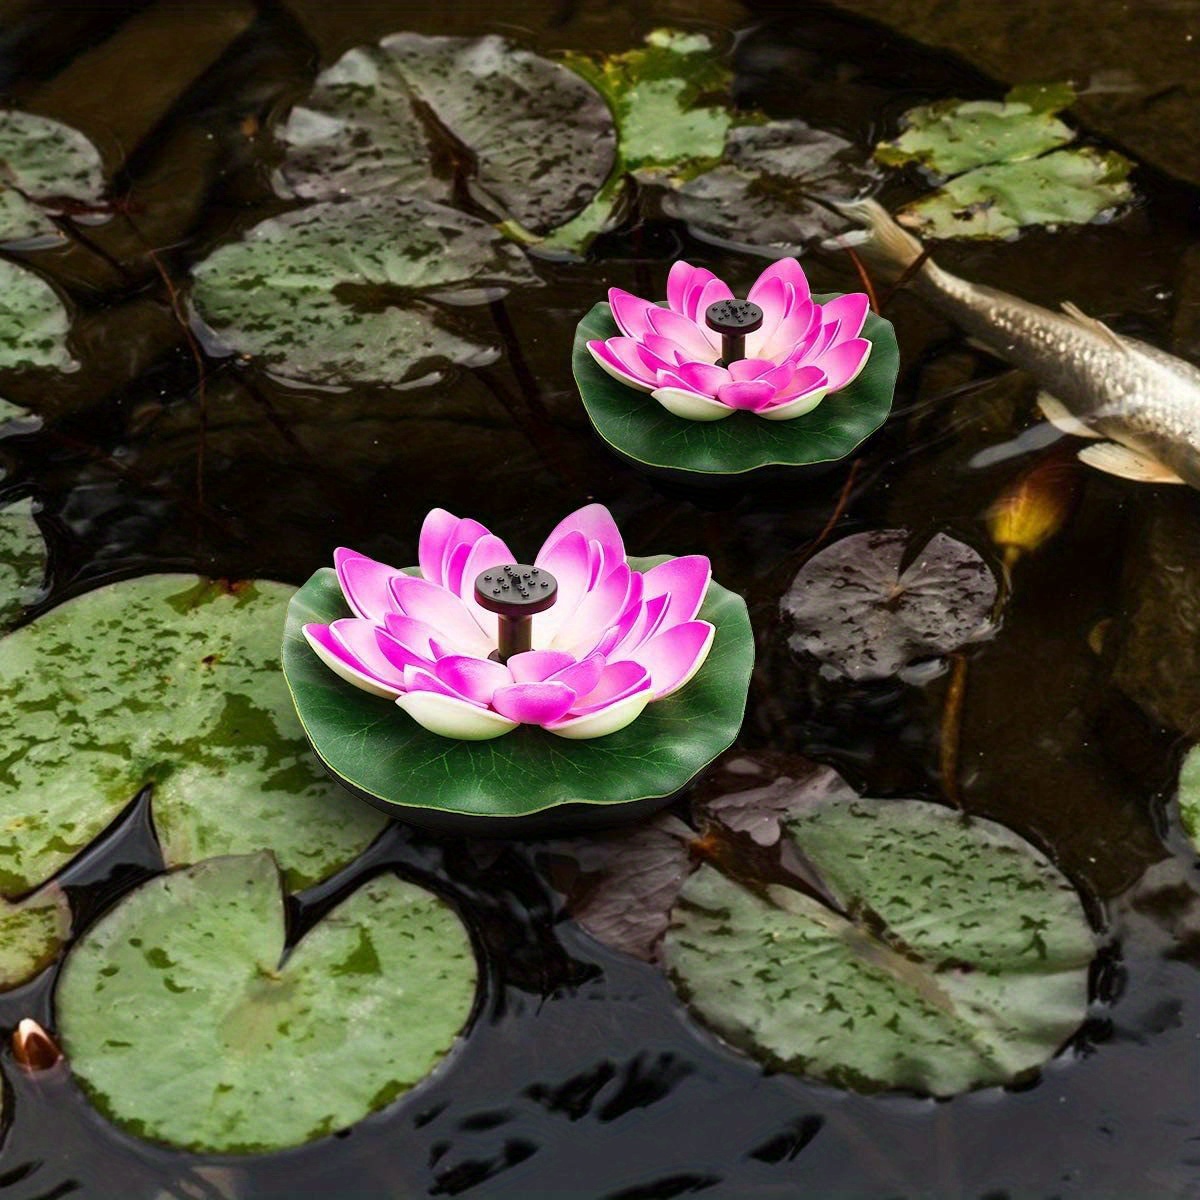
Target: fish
x,y
1138,405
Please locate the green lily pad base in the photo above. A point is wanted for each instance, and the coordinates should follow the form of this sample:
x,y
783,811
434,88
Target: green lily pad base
x,y
527,782
742,448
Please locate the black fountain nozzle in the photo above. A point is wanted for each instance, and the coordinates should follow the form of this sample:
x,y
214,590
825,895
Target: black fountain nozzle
x,y
733,319
515,593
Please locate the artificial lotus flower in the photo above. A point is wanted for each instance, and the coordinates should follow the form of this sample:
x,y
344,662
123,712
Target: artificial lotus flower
x,y
615,640
802,352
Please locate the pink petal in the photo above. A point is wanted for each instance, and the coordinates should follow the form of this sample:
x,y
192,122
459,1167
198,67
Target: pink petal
x,y
627,361
700,301
603,721
744,369
418,680
694,341
489,551
843,362
596,524
582,677
773,297
365,583
630,313
850,311
533,666
400,655
683,582
751,396
436,531
413,635
467,533
568,559
789,272
599,609
344,664
442,611
475,678
358,639
780,343
803,381
617,680
533,703
703,378
675,655
649,621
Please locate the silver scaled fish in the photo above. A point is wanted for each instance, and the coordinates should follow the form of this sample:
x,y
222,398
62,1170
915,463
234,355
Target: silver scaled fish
x,y
1138,404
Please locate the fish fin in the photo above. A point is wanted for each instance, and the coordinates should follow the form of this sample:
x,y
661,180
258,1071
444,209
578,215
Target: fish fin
x,y
1128,464
1061,417
1098,327
893,249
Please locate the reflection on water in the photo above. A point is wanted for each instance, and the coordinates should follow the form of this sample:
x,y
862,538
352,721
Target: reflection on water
x,y
583,1077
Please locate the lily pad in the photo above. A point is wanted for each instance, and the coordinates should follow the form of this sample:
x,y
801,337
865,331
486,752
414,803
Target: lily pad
x,y
768,190
169,680
32,932
640,430
1068,187
953,136
22,560
33,322
963,960
389,760
282,1046
357,291
540,141
858,609
1189,796
45,167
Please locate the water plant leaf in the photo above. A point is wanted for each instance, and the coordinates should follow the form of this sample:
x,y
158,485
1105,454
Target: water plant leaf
x,y
540,141
1068,187
393,762
32,932
45,167
639,429
952,136
22,560
33,322
964,961
859,610
170,680
621,886
358,290
279,1049
768,188
1189,796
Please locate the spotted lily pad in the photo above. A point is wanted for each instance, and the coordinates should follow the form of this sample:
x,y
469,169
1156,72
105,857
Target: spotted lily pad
x,y
22,560
528,776
540,141
367,290
45,168
174,681
33,322
32,932
640,430
957,955
769,188
862,612
282,1045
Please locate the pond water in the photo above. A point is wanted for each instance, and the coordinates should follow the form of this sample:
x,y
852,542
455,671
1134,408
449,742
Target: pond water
x,y
582,1075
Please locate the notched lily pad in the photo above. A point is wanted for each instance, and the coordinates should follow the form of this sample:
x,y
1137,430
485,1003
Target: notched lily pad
x,y
175,681
540,142
768,190
282,1046
862,612
957,956
22,560
45,168
365,290
33,322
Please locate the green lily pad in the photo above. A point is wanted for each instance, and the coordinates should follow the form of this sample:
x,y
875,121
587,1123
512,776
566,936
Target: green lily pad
x,y
32,932
366,290
22,560
46,167
33,322
953,136
1068,187
768,190
187,1020
540,140
959,958
174,681
639,429
389,760
1189,796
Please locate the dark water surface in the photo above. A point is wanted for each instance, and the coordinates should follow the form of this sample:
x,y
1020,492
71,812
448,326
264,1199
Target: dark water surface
x,y
583,1076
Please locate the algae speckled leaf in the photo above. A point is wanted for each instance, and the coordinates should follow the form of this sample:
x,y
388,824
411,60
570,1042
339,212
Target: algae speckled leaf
x,y
358,291
33,322
174,681
31,933
278,1050
965,961
541,141
44,165
22,560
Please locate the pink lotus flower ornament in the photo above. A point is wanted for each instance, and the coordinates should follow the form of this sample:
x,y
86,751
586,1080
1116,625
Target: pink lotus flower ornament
x,y
476,643
706,355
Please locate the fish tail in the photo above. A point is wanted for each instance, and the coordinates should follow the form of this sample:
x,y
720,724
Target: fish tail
x,y
887,247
